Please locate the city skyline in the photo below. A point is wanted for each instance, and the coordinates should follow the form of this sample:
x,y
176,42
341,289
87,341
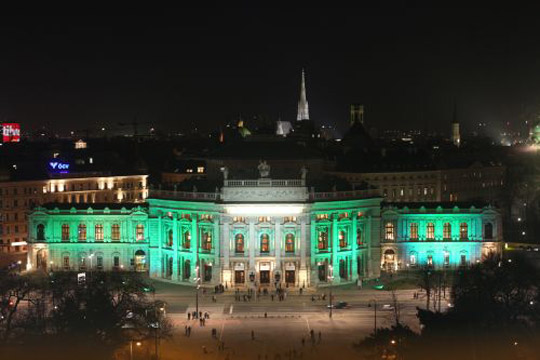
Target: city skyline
x,y
206,67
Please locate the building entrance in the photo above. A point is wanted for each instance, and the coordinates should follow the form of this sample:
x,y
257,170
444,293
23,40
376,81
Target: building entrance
x,y
239,277
265,276
290,276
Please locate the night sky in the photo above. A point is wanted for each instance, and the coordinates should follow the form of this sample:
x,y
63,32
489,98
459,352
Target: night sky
x,y
203,67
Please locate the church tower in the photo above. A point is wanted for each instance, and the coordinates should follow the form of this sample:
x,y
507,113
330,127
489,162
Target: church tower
x,y
303,110
456,137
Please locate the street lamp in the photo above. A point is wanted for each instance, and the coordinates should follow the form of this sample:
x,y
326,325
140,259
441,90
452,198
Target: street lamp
x,y
197,279
375,315
331,280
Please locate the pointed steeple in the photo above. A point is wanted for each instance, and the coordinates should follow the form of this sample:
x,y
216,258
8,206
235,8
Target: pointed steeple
x,y
303,110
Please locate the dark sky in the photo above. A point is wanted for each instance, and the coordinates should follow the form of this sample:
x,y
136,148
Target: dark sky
x,y
204,66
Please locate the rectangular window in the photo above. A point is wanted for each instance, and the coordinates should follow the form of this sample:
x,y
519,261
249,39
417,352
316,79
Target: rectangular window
x,y
65,232
414,231
116,262
463,231
430,231
139,235
66,262
99,263
115,232
323,240
99,232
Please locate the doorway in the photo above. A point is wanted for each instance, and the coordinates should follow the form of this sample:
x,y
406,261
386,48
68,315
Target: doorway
x,y
290,276
239,277
265,276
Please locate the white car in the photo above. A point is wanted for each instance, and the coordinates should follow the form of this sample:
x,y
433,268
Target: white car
x,y
387,307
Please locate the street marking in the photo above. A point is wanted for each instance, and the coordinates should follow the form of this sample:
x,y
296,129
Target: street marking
x,y
231,309
307,323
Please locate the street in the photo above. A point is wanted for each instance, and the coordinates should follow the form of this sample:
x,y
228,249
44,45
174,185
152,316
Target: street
x,y
280,333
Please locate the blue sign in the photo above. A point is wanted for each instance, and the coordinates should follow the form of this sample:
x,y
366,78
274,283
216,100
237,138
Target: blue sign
x,y
56,166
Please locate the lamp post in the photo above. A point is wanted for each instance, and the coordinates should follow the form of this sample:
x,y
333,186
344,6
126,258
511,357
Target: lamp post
x,y
198,285
330,279
375,315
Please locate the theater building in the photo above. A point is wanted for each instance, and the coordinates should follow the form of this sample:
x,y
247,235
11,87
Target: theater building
x,y
257,232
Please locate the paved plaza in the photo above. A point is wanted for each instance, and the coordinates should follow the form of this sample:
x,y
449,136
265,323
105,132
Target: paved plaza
x,y
278,335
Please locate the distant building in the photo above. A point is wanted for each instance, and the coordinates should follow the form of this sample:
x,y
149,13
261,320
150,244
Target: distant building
x,y
303,108
357,114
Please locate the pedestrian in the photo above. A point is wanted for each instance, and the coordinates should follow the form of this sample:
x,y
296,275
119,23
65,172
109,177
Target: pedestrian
x,y
252,335
200,314
204,349
301,291
272,296
189,331
185,330
312,334
303,341
189,316
312,298
265,315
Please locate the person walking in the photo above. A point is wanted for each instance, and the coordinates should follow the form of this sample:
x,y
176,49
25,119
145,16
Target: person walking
x,y
320,337
252,335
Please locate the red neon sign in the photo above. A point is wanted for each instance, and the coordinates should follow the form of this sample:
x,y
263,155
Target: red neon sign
x,y
11,132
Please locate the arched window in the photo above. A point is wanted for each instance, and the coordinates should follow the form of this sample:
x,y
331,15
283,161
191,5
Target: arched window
x,y
206,241
187,269
414,231
81,232
289,243
65,262
463,259
265,243
343,269
139,232
239,243
40,232
359,237
187,240
115,232
463,231
389,231
98,235
170,238
342,239
447,231
65,232
430,231
488,231
322,243
413,259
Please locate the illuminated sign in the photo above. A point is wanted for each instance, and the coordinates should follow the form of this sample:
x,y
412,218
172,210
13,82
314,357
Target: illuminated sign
x,y
56,166
11,132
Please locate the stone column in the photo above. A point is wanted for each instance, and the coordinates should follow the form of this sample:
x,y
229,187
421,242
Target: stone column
x,y
194,247
176,243
225,251
304,248
335,247
252,244
354,245
278,243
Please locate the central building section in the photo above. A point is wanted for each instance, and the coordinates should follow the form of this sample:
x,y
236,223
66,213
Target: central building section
x,y
265,232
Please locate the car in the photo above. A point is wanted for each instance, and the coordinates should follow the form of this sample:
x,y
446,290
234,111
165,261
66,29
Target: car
x,y
339,305
387,307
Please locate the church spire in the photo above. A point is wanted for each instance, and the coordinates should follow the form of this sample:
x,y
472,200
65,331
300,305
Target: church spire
x,y
303,110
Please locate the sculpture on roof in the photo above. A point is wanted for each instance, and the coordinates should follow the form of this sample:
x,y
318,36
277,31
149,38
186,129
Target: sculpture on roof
x,y
303,172
264,169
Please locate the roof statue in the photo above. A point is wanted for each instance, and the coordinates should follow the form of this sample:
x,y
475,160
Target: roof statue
x,y
225,171
264,169
303,172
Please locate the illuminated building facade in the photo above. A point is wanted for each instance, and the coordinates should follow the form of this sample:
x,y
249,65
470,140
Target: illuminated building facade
x,y
438,236
18,197
260,232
